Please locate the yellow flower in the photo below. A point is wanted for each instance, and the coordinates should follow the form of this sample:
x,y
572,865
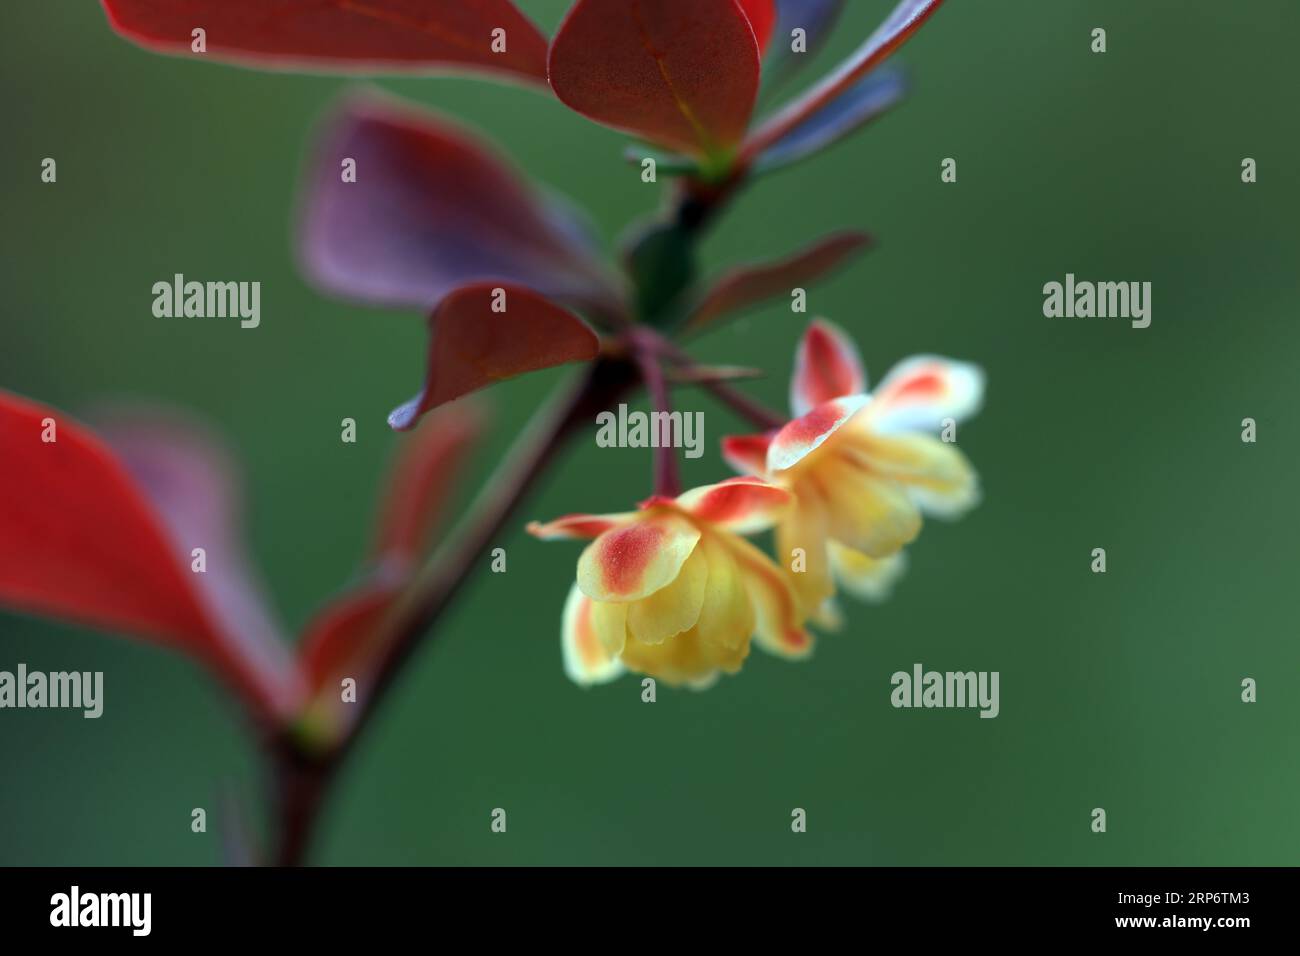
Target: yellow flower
x,y
863,468
673,591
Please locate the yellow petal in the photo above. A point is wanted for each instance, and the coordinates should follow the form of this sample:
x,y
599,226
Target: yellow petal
x,y
937,476
865,511
779,617
719,641
684,659
727,616
609,621
673,608
867,578
805,529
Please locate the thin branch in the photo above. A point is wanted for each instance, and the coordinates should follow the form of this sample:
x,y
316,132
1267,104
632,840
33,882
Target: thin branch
x,y
667,480
750,409
747,408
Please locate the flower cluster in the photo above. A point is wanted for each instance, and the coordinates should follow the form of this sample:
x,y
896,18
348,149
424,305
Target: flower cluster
x,y
406,209
674,591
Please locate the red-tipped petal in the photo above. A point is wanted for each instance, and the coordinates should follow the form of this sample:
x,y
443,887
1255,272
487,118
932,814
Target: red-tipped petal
x,y
481,334
801,437
80,541
681,73
748,286
431,209
743,505
633,561
421,481
577,527
341,35
826,366
747,454
920,392
898,27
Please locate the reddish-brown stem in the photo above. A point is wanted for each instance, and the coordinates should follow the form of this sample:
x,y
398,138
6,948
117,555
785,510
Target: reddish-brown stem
x,y
667,480
299,786
747,408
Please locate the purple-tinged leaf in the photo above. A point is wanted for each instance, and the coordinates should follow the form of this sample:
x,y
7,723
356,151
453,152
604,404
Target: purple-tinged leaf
x,y
430,210
816,18
898,27
746,286
870,97
193,484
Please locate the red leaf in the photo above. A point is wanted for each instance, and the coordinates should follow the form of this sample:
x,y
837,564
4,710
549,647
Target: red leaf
x,y
421,481
80,541
762,17
431,210
681,73
342,639
351,35
898,27
748,285
474,344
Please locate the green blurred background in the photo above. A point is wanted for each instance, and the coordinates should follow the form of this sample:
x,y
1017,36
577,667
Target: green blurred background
x,y
1119,691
